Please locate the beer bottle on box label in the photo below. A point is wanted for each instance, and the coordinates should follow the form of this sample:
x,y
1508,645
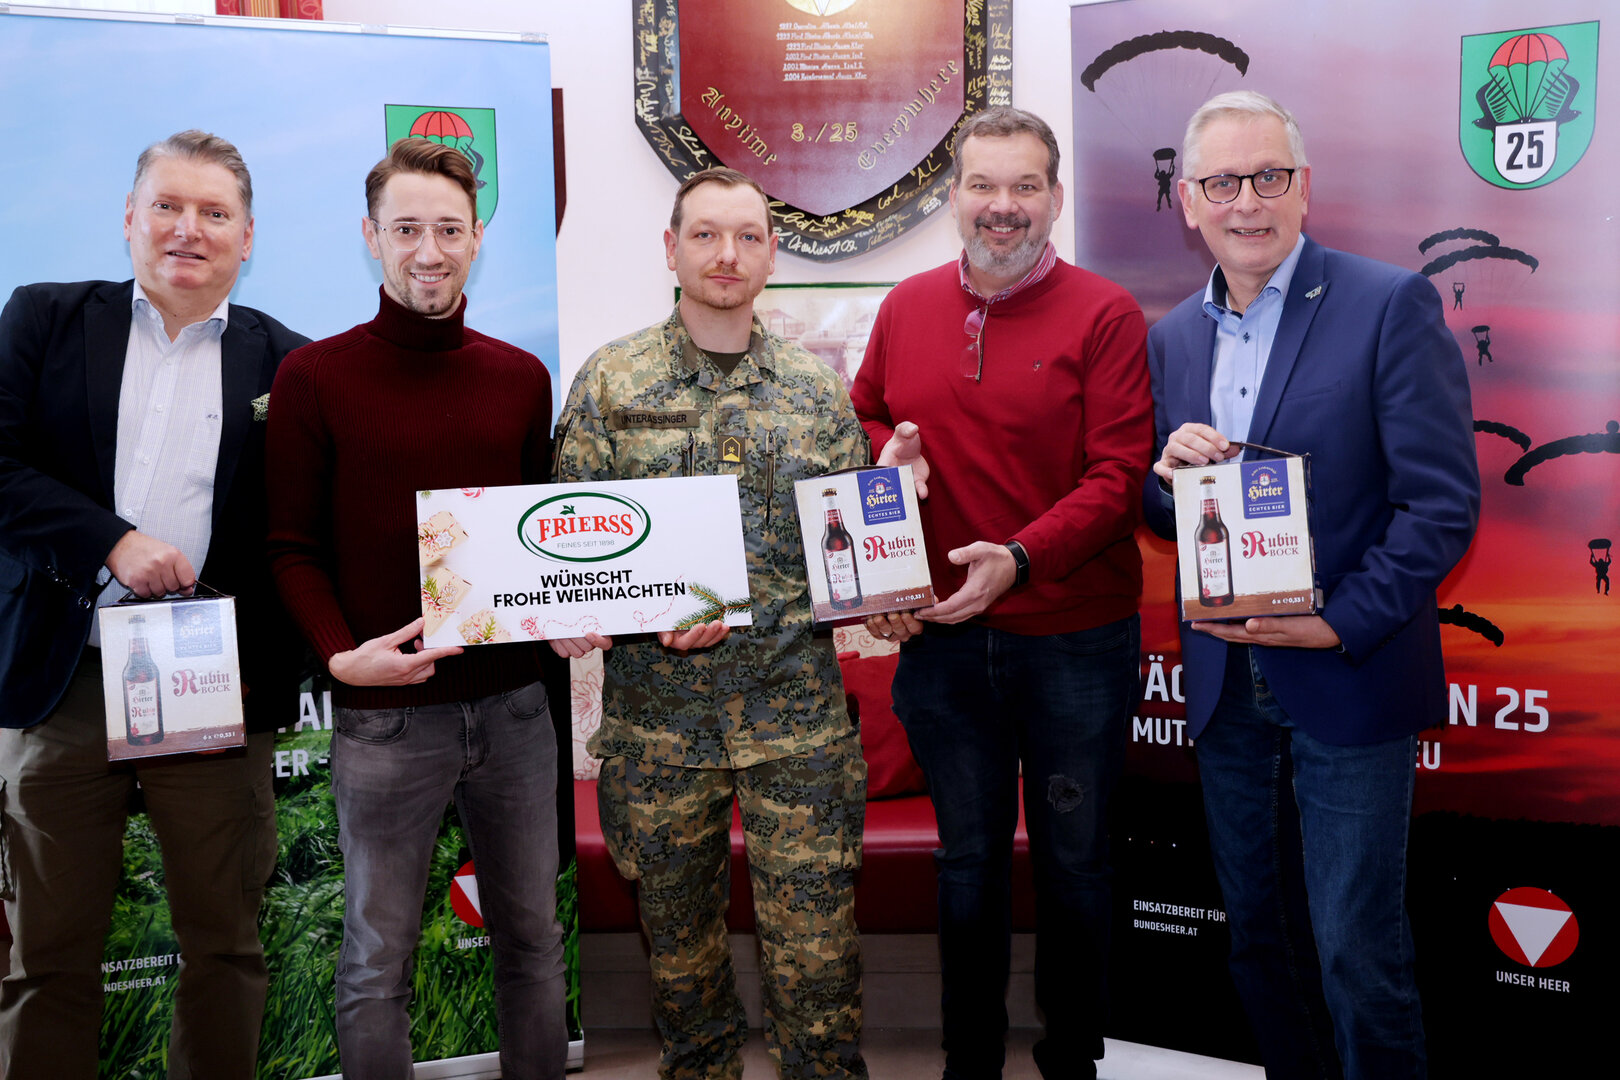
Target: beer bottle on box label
x,y
1214,547
838,556
143,704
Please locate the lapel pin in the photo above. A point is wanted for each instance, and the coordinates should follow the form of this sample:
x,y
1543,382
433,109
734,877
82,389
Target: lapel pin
x,y
1314,293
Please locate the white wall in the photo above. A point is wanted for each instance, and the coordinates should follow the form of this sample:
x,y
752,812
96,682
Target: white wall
x,y
610,261
180,7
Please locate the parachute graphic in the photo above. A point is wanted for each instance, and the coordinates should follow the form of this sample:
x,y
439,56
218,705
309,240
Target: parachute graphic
x,y
1600,556
1528,82
1154,82
449,129
1475,264
444,127
1507,431
1456,615
1164,39
1456,234
1606,441
1479,251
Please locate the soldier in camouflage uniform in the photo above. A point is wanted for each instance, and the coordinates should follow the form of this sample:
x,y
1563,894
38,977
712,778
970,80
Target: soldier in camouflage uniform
x,y
705,716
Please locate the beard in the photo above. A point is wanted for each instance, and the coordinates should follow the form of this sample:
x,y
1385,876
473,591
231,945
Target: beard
x,y
716,297
1015,261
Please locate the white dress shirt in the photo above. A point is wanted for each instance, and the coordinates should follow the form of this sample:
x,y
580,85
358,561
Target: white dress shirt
x,y
169,416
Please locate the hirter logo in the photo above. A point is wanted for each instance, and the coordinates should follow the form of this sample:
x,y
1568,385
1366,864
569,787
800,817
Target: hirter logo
x,y
1533,927
464,897
1265,490
882,501
197,630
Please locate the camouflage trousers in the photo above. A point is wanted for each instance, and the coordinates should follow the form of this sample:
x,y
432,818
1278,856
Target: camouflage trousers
x,y
669,829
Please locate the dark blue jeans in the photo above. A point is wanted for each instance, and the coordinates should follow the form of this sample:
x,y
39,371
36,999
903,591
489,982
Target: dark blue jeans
x,y
976,703
1309,841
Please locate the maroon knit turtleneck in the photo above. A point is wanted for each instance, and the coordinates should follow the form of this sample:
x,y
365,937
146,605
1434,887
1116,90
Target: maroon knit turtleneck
x,y
358,423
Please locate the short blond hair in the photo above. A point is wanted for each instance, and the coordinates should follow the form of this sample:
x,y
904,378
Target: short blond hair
x,y
195,145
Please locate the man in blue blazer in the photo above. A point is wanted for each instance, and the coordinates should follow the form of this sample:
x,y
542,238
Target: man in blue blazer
x,y
1306,725
132,452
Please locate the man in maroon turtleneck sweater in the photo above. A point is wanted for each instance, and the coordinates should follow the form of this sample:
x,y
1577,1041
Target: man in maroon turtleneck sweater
x,y
358,422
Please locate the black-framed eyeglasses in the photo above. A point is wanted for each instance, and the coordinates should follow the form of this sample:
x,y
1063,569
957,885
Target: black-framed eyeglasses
x,y
1268,184
972,362
451,236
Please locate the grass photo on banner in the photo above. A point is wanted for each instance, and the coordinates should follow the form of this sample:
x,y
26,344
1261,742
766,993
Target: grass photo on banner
x,y
301,924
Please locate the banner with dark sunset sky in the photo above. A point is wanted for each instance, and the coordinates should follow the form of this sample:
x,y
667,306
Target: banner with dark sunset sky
x,y
1473,143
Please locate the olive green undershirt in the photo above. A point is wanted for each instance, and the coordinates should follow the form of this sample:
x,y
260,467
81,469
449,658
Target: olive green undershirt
x,y
726,361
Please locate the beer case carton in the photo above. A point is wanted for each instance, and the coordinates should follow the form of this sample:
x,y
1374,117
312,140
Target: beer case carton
x,y
1243,539
863,543
170,676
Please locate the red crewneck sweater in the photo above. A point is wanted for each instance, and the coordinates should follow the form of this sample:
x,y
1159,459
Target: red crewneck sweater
x,y
1049,448
358,423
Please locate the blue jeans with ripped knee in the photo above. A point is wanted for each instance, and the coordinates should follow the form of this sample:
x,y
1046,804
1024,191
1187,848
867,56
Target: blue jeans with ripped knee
x,y
976,704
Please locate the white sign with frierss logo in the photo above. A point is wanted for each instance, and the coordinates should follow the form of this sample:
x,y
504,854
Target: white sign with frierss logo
x,y
540,561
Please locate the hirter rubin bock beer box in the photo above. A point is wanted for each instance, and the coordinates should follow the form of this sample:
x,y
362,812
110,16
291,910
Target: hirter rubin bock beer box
x,y
863,543
1243,538
170,675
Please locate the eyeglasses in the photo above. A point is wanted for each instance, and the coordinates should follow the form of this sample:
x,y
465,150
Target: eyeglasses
x,y
1227,187
451,236
973,355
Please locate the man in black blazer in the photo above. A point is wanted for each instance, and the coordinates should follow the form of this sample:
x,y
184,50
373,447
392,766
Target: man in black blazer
x,y
131,453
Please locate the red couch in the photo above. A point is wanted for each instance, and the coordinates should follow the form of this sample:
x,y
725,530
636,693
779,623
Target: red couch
x,y
895,892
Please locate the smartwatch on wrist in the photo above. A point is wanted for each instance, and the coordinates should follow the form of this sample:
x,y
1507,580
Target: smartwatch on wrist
x,y
1021,561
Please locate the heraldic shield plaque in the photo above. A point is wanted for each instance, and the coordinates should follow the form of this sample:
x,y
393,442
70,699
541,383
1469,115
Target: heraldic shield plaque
x,y
843,110
824,102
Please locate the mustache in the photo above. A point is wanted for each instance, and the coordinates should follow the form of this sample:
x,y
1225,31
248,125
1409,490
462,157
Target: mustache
x,y
1002,221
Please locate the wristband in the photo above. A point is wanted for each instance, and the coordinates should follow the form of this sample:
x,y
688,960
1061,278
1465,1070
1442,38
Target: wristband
x,y
1020,561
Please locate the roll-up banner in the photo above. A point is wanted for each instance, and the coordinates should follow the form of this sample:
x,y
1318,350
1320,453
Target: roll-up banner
x,y
312,106
1474,144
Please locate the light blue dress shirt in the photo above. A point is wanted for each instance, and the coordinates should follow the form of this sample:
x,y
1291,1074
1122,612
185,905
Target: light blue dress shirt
x,y
1243,346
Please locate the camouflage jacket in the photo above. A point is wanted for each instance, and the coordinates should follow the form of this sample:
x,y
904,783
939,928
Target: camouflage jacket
x,y
654,405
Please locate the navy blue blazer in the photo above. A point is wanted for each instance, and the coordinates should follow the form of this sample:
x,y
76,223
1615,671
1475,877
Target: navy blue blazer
x,y
1364,377
62,352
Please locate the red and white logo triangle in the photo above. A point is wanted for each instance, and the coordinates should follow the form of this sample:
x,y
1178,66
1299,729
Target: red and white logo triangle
x,y
469,887
1533,927
464,896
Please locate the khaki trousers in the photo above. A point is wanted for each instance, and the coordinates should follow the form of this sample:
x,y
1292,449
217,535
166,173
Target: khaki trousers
x,y
61,852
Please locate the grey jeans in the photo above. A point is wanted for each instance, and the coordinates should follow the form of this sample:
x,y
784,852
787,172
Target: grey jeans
x,y
393,773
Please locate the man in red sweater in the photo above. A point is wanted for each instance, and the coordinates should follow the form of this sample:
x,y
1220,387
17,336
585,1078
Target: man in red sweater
x,y
1026,379
358,422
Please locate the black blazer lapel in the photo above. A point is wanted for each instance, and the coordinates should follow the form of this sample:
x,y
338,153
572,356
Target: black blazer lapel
x,y
241,352
106,340
1300,306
